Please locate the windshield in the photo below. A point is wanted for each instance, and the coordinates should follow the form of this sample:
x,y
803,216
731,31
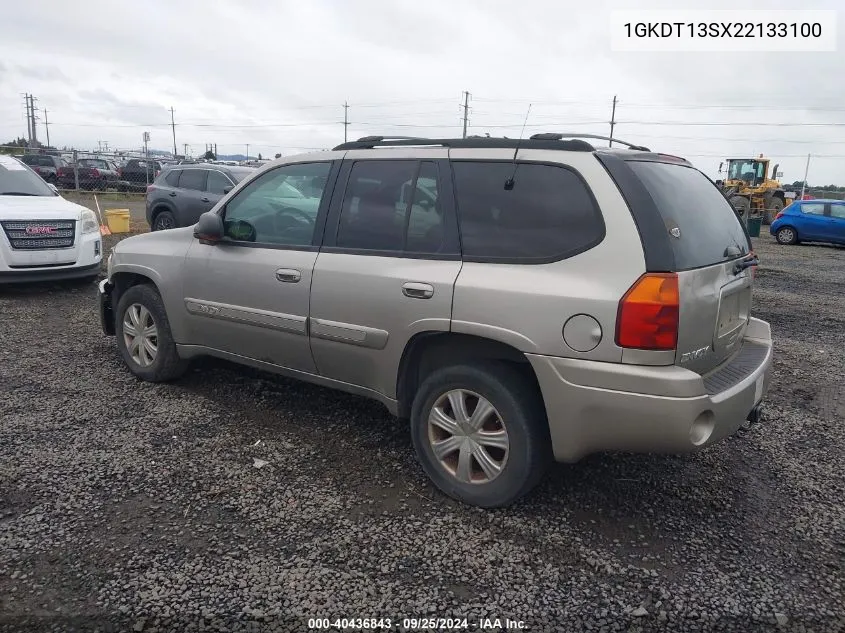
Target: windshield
x,y
18,180
694,208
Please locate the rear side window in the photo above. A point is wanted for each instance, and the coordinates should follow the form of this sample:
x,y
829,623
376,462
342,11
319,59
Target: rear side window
x,y
548,213
700,222
172,177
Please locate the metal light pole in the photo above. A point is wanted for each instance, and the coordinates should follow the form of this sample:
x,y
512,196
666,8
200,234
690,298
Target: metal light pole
x,y
804,182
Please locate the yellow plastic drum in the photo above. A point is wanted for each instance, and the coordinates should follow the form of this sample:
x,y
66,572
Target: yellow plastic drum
x,y
118,220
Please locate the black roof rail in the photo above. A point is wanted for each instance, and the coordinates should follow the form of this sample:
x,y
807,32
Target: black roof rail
x,y
556,136
371,142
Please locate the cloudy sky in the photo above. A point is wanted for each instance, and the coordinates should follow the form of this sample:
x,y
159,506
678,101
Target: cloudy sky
x,y
275,74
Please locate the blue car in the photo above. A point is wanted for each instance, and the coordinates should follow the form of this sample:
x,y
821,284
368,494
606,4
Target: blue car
x,y
810,221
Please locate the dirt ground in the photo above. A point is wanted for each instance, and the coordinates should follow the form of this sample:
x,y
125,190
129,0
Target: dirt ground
x,y
138,507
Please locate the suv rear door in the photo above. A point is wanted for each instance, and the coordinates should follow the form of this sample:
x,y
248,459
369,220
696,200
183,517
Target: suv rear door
x,y
689,228
387,267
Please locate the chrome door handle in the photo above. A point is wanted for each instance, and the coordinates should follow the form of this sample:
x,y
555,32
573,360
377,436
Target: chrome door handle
x,y
204,200
288,275
417,290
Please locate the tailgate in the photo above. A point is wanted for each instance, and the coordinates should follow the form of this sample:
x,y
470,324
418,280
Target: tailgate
x,y
715,306
710,251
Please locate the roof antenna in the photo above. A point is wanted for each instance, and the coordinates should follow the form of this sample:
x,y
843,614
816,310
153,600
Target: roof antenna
x,y
509,183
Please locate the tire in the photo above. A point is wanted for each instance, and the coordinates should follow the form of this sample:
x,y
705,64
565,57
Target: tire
x,y
775,207
787,235
163,220
165,363
518,411
742,206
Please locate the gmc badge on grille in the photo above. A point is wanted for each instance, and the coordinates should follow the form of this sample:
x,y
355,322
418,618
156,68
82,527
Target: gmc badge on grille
x,y
40,230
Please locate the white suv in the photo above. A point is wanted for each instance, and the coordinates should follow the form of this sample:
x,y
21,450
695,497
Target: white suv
x,y
44,237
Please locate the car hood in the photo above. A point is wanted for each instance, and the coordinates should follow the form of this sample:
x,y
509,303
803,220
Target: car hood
x,y
38,208
171,240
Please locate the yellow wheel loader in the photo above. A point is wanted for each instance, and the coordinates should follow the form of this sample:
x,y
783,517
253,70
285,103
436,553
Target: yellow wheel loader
x,y
751,189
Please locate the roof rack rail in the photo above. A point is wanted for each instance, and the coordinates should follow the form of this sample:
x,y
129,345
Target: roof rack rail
x,y
557,136
370,142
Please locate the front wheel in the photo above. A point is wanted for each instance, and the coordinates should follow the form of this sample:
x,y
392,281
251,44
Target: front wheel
x,y
480,433
164,220
144,338
787,235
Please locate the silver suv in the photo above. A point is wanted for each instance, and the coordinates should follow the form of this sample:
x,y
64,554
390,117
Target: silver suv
x,y
516,301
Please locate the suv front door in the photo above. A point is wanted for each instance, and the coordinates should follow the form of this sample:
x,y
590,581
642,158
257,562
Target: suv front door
x,y
387,267
247,296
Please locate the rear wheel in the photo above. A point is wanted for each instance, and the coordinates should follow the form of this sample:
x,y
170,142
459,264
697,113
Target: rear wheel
x,y
787,235
144,338
164,220
480,433
775,207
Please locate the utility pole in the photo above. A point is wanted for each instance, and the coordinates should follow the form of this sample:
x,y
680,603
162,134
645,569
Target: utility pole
x,y
47,126
804,183
466,112
612,119
185,145
33,109
28,121
247,151
173,127
345,119
146,138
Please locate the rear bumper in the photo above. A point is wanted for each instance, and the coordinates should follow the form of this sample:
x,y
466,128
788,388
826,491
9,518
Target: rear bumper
x,y
593,407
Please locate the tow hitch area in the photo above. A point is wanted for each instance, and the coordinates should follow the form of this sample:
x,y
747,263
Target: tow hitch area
x,y
754,417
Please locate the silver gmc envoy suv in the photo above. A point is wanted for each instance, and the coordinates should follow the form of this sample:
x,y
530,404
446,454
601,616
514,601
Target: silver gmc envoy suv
x,y
517,301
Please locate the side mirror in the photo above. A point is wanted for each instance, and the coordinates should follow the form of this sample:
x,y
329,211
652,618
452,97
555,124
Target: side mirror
x,y
227,190
209,229
722,164
53,187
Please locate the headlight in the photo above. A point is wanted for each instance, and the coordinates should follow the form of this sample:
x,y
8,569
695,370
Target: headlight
x,y
89,222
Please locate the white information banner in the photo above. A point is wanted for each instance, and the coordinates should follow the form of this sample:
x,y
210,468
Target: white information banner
x,y
751,30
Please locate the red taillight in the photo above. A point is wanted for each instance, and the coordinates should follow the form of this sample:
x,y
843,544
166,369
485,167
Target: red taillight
x,y
120,172
648,313
779,215
150,188
95,172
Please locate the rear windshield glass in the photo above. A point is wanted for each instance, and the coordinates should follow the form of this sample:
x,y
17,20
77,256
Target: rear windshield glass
x,y
701,222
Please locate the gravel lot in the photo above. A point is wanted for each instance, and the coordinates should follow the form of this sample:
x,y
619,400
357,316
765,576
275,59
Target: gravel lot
x,y
137,507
